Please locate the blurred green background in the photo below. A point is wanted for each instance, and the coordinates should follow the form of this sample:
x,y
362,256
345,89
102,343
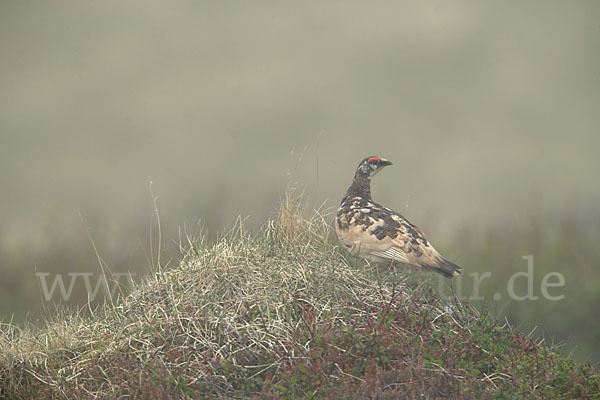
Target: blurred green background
x,y
490,112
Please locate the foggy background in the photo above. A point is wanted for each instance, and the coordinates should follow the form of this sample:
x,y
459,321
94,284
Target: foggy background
x,y
489,111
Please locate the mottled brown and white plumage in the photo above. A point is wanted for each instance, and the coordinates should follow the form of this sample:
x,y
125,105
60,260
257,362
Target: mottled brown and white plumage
x,y
382,236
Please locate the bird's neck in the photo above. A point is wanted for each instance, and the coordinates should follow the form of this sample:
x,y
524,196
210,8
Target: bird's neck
x,y
361,187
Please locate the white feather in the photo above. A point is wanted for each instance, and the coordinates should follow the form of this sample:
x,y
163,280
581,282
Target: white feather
x,y
392,254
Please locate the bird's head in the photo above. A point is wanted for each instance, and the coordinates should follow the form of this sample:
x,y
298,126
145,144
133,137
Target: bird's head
x,y
370,166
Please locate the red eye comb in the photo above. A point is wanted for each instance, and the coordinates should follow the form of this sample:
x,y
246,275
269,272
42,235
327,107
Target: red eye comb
x,y
374,159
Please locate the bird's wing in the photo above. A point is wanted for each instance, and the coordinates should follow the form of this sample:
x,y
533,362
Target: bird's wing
x,y
362,237
398,239
368,229
392,254
373,232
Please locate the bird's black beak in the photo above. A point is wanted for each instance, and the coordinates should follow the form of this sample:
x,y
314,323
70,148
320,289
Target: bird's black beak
x,y
384,163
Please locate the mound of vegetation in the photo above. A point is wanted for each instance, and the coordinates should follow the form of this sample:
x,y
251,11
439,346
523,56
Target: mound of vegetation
x,y
283,314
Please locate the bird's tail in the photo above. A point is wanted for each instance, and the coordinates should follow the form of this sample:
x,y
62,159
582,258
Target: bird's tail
x,y
446,268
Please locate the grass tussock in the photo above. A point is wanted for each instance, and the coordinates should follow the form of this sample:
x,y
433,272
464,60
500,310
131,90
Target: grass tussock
x,y
282,314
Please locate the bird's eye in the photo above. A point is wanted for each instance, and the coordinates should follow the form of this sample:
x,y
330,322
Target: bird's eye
x,y
374,160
